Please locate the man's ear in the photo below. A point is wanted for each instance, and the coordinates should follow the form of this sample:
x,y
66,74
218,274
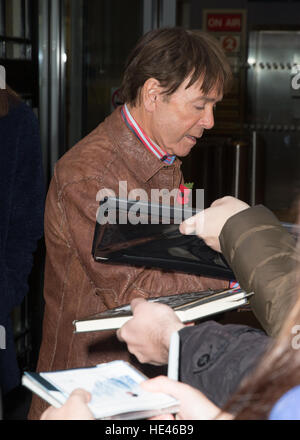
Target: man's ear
x,y
150,93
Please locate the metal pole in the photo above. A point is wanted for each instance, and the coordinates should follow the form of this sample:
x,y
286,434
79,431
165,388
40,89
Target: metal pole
x,y
44,102
253,168
76,80
159,13
52,82
55,85
168,16
237,170
150,15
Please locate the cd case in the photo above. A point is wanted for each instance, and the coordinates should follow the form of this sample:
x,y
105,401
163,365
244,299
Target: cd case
x,y
138,233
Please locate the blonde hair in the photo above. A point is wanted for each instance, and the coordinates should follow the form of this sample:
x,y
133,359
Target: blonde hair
x,y
278,372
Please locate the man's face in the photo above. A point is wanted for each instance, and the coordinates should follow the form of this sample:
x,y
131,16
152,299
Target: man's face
x,y
181,118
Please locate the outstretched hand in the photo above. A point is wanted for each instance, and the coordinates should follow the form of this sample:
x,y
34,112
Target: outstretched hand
x,y
148,333
75,408
194,405
209,223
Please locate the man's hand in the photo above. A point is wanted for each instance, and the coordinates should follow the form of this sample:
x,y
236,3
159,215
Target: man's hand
x,y
147,334
209,223
194,405
75,408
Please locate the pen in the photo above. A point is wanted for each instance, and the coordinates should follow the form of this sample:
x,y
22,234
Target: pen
x,y
173,361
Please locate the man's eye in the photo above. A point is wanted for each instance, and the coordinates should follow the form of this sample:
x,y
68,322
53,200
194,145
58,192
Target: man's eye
x,y
199,108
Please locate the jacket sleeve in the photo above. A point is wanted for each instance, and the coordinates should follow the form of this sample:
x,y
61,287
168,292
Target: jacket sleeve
x,y
25,224
262,255
214,358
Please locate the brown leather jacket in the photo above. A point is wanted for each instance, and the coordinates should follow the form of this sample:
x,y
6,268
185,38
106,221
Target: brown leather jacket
x,y
75,285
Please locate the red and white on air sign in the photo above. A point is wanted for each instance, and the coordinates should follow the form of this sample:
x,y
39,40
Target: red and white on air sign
x,y
224,22
230,43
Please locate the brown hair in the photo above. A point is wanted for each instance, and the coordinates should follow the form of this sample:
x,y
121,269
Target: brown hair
x,y
278,372
8,98
171,55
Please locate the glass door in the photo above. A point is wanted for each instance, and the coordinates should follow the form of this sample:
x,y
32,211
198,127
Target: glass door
x,y
99,36
274,114
18,47
111,29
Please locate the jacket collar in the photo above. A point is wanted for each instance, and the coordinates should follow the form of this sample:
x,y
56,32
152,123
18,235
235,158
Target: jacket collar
x,y
139,160
133,125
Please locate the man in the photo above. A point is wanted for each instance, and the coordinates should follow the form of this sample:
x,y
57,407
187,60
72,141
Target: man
x,y
173,80
215,358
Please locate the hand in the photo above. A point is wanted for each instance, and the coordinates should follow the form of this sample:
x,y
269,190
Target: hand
x,y
194,405
148,333
209,223
75,408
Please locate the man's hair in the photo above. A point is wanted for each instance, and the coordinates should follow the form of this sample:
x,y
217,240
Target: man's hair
x,y
171,55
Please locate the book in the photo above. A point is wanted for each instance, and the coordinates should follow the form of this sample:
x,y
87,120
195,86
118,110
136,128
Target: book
x,y
114,386
187,306
153,240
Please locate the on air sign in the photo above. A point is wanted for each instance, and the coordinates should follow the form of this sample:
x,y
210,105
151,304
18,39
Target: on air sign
x,y
224,22
229,27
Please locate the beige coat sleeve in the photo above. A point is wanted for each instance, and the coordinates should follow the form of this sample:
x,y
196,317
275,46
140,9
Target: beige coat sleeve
x,y
263,257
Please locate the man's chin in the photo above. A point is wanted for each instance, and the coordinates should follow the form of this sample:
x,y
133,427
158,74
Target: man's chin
x,y
185,151
184,154
181,151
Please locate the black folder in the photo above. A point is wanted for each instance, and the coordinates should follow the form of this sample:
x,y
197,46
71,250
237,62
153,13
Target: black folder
x,y
154,241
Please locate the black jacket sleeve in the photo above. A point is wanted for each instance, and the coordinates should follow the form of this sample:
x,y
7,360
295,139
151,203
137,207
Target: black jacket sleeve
x,y
214,358
22,221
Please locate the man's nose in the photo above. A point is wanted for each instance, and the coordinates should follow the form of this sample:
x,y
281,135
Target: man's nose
x,y
207,121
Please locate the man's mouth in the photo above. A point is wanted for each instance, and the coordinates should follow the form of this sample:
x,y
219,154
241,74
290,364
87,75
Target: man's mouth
x,y
193,139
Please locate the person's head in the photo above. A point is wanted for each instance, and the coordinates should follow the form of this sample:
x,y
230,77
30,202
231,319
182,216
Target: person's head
x,y
8,98
279,369
176,77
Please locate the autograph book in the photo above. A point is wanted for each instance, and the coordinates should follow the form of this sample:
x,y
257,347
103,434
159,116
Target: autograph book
x,y
187,306
114,386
